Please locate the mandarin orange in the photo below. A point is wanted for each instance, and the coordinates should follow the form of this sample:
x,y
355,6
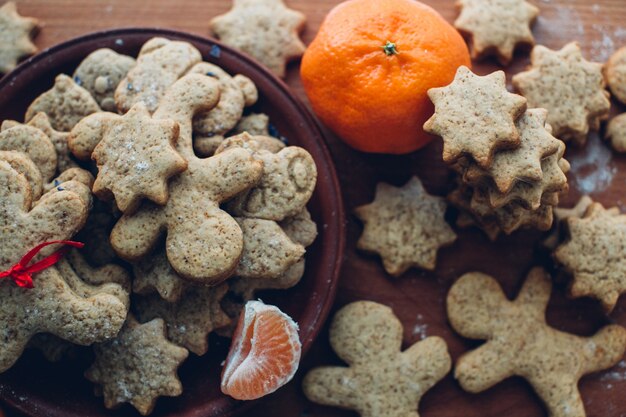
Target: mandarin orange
x,y
370,66
264,354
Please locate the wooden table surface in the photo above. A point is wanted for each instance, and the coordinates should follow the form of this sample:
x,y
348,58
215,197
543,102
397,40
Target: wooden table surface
x,y
418,297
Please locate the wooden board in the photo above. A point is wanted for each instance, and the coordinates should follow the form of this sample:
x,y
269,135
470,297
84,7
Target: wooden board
x,y
418,297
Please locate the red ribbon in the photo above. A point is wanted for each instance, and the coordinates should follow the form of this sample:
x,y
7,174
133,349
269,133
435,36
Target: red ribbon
x,y
21,273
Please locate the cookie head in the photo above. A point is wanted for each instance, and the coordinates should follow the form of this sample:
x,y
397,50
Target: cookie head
x,y
471,303
362,331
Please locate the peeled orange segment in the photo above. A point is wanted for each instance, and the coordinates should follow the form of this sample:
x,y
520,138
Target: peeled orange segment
x,y
264,354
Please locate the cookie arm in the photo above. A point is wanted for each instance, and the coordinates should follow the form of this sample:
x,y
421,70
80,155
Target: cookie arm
x,y
80,320
605,348
535,292
87,134
332,386
133,236
430,359
483,368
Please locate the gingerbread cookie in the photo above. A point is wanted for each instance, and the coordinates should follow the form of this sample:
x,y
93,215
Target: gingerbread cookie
x,y
288,181
101,72
160,63
65,104
21,163
203,245
246,288
496,27
300,228
58,139
569,87
475,116
16,33
51,306
522,164
405,225
154,273
615,74
136,156
140,353
252,143
254,123
381,380
561,214
595,255
267,250
532,194
520,342
264,29
616,133
34,144
236,93
190,320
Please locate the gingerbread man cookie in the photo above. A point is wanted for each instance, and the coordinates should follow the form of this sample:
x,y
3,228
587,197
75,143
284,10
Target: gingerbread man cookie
x,y
520,342
236,93
381,380
66,103
203,242
51,306
101,72
160,63
288,181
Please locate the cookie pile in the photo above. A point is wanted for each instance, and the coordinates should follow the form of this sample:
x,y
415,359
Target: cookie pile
x,y
178,231
511,169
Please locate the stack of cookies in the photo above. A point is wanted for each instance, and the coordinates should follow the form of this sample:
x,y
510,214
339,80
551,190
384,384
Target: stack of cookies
x,y
193,238
511,169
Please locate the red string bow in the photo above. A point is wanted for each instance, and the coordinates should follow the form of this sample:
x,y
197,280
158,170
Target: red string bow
x,y
21,273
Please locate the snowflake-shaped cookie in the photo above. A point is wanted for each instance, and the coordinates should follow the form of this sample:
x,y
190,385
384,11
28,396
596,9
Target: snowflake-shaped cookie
x,y
497,26
569,87
405,225
475,116
265,29
140,353
15,34
595,254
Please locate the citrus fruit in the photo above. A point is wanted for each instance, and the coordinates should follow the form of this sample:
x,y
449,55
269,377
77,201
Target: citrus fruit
x,y
264,354
369,68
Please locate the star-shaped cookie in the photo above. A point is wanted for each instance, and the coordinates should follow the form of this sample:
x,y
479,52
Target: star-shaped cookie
x,y
595,254
405,225
475,116
135,159
140,353
571,88
496,26
265,29
190,320
15,36
530,194
523,163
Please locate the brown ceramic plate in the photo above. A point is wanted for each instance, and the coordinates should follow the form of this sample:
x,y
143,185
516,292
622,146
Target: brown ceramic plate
x,y
38,388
